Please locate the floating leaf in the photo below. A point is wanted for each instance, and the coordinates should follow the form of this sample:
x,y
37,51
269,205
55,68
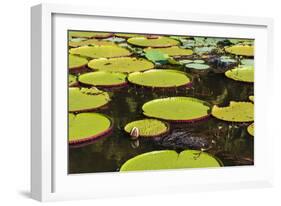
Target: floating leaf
x,y
172,51
156,56
153,42
100,51
250,129
180,109
75,62
123,64
165,78
85,34
170,159
92,42
103,78
148,127
86,99
243,50
72,80
197,66
242,73
204,50
248,62
87,126
251,98
126,35
235,112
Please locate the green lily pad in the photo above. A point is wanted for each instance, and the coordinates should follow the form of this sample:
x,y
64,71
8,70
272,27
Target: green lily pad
x,y
123,64
248,62
250,129
172,51
179,109
235,112
72,80
251,98
87,126
92,42
165,78
204,50
156,56
86,34
103,78
241,73
100,51
243,50
126,35
170,159
75,62
153,42
85,99
148,127
197,66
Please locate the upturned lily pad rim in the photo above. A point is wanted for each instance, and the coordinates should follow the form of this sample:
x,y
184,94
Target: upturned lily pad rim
x,y
104,85
96,136
182,120
155,135
188,84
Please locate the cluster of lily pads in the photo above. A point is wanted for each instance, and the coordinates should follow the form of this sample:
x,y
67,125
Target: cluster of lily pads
x,y
99,61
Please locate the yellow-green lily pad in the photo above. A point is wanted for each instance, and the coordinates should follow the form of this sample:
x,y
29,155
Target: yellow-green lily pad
x,y
72,80
84,99
90,42
127,35
123,64
86,34
251,98
243,50
235,112
84,127
75,62
103,78
250,129
170,159
100,51
160,41
160,78
178,109
241,73
148,127
172,51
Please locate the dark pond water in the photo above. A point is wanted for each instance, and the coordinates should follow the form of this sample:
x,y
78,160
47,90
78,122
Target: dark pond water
x,y
228,141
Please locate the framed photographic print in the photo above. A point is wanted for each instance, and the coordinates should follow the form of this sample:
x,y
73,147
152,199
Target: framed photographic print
x,y
135,102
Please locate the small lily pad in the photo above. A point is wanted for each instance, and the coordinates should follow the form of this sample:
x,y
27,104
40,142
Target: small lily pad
x,y
127,35
84,127
235,112
197,66
103,78
156,56
75,62
204,50
85,99
243,50
241,73
92,42
123,64
86,34
148,127
251,98
178,109
72,80
248,62
165,78
250,129
153,42
170,159
172,51
100,51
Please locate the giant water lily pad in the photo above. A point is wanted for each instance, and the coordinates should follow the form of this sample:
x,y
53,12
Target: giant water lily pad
x,y
235,112
250,129
92,42
252,98
148,127
72,80
160,78
170,159
123,64
84,99
75,62
153,42
157,56
100,51
197,66
172,51
241,73
180,109
127,35
103,78
243,50
87,126
86,34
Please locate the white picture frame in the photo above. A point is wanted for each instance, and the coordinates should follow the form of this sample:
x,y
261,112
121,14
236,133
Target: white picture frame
x,y
49,178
